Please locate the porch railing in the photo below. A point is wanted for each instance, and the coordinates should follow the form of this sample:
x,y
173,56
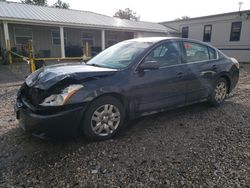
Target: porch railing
x,y
32,60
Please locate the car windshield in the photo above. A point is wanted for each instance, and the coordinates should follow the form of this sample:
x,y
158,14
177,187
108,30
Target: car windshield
x,y
120,55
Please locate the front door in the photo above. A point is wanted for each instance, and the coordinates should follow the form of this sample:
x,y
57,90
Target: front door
x,y
163,87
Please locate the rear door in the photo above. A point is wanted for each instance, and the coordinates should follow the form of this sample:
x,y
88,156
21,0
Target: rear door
x,y
201,67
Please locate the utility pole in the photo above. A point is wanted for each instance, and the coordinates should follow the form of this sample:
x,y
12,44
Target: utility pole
x,y
240,4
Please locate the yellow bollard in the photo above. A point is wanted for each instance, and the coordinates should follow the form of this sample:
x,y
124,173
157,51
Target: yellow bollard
x,y
87,49
32,65
31,56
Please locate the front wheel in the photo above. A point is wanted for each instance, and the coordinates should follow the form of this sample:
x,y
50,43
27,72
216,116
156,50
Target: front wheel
x,y
219,92
104,118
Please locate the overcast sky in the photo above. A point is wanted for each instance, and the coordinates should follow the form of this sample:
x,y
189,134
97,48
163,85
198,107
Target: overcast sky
x,y
159,10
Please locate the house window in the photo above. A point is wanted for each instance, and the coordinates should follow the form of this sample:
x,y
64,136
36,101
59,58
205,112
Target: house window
x,y
235,31
184,32
207,33
23,35
88,38
111,39
56,37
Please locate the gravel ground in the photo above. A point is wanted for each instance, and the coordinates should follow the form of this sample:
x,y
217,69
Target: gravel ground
x,y
195,146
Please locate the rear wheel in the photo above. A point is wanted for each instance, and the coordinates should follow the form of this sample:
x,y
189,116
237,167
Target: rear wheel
x,y
219,92
104,118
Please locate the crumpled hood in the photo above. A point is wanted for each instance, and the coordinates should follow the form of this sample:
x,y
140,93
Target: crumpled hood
x,y
48,76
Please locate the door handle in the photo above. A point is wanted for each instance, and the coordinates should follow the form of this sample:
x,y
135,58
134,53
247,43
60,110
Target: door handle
x,y
214,67
180,75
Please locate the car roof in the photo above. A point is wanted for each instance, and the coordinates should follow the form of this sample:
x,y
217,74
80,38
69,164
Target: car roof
x,y
159,39
152,39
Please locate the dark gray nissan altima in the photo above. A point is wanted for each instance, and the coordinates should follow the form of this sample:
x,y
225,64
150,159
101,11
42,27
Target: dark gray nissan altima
x,y
130,79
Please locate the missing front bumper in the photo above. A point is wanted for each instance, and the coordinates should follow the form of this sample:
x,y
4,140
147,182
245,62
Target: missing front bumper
x,y
65,123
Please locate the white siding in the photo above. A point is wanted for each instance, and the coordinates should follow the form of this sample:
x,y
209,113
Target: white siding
x,y
221,30
240,55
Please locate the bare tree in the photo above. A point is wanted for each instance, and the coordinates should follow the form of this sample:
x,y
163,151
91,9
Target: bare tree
x,y
35,2
127,14
183,18
60,4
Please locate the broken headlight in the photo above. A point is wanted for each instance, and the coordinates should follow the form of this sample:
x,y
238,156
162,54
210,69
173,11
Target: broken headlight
x,y
63,97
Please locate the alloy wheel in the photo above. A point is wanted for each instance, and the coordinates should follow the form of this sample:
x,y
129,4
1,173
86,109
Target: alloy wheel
x,y
220,91
105,120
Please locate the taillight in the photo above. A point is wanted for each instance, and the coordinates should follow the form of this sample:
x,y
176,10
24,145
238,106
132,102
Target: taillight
x,y
235,62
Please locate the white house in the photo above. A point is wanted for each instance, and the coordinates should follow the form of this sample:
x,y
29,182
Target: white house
x,y
64,32
229,32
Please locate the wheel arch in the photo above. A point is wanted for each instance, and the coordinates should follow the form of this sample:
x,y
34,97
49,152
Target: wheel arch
x,y
124,101
227,78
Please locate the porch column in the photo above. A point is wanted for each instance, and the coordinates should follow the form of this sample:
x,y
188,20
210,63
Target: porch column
x,y
62,42
103,39
135,35
6,35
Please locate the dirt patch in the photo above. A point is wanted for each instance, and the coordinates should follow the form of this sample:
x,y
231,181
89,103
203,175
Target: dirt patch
x,y
189,147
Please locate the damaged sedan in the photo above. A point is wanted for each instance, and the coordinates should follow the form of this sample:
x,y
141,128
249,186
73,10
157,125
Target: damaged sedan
x,y
130,79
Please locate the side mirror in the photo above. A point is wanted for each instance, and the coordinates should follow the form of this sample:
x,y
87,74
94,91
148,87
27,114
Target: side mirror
x,y
149,65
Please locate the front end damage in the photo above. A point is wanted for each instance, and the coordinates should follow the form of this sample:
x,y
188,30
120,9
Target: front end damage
x,y
53,99
46,122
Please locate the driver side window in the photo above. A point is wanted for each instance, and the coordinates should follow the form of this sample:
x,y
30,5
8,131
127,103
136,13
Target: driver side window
x,y
166,54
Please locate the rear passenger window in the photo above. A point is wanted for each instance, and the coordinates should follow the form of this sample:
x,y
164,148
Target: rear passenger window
x,y
196,52
212,53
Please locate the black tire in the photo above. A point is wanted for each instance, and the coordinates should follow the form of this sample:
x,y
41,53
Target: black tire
x,y
87,122
221,86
